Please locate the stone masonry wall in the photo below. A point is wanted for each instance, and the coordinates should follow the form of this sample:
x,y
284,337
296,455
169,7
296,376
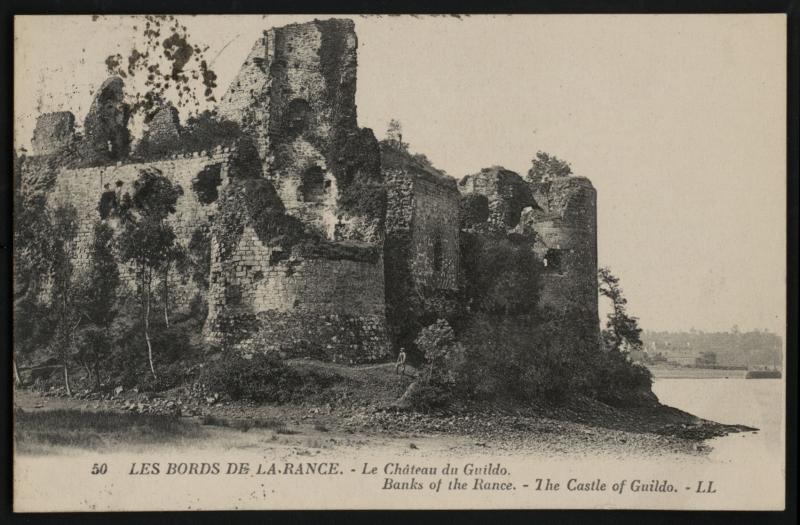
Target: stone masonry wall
x,y
260,300
295,95
505,190
424,209
566,231
435,235
83,188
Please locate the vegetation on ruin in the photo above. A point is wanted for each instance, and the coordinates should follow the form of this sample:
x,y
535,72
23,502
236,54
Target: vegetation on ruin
x,y
199,256
95,342
395,155
107,204
254,202
206,184
500,274
147,241
203,132
622,329
473,210
546,166
355,161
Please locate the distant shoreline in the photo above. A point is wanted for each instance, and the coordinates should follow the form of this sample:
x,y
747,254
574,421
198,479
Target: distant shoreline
x,y
663,372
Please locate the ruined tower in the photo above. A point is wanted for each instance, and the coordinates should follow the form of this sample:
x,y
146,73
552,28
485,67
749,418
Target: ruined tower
x,y
561,212
295,98
304,274
566,239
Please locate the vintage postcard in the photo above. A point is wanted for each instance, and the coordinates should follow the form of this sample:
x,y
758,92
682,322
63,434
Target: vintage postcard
x,y
399,262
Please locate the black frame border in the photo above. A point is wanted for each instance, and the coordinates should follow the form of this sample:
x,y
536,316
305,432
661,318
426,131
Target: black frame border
x,y
384,7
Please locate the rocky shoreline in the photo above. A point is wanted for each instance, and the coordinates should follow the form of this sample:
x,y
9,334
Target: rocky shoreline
x,y
582,425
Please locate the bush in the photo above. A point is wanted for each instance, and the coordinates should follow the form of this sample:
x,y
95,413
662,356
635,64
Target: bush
x,y
544,358
500,274
168,377
425,397
519,358
444,355
173,347
614,380
264,378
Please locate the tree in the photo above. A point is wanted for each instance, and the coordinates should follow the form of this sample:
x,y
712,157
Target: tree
x,y
174,255
99,299
622,330
65,288
394,135
442,352
32,249
546,166
147,241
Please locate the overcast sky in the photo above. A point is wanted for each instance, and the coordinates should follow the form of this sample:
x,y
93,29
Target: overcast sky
x,y
679,121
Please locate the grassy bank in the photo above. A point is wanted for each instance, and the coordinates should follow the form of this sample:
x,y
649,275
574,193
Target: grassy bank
x,y
36,431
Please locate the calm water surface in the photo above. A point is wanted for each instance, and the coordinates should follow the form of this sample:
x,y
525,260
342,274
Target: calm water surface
x,y
757,403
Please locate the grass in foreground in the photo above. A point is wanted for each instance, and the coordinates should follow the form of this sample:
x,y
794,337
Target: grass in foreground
x,y
36,431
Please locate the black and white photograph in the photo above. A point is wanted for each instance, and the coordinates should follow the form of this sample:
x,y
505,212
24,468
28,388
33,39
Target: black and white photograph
x,y
399,262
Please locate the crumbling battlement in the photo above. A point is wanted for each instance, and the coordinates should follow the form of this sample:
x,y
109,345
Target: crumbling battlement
x,y
163,131
507,193
53,132
107,138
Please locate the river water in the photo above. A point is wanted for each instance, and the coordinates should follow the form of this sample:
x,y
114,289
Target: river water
x,y
756,403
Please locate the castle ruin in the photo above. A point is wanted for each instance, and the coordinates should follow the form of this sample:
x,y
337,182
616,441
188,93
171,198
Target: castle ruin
x,y
294,102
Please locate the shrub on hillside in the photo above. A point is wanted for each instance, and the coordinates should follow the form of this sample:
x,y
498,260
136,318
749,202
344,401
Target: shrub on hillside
x,y
263,378
444,355
168,377
425,397
519,358
614,379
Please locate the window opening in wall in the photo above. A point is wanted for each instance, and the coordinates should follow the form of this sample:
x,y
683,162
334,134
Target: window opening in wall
x,y
312,184
297,116
552,261
437,255
233,294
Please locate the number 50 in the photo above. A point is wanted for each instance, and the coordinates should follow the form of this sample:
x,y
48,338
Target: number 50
x,y
99,468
